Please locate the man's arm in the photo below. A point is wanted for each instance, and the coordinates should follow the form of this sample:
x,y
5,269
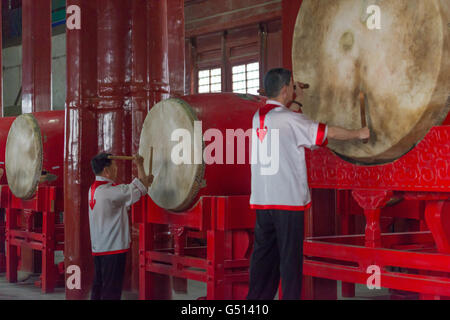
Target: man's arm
x,y
336,133
339,133
146,180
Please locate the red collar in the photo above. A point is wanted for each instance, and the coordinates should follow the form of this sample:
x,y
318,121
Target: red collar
x,y
262,130
94,186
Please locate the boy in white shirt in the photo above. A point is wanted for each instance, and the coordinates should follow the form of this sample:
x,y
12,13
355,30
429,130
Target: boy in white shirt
x,y
109,226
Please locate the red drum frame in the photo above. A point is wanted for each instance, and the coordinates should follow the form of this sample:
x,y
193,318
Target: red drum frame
x,y
48,200
219,216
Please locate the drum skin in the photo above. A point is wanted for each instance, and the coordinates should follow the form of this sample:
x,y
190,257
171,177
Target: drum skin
x,y
215,111
5,124
403,69
44,131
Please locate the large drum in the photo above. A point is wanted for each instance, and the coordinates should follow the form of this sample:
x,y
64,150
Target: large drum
x,y
35,152
5,124
178,184
403,69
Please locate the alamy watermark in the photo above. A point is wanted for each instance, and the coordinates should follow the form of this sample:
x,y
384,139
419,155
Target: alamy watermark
x,y
374,19
73,21
74,277
374,280
265,151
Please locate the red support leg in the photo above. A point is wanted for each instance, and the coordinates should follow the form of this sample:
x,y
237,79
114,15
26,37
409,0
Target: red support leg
x,y
11,253
215,270
144,278
49,272
179,242
438,221
373,229
215,256
437,217
347,226
372,202
2,242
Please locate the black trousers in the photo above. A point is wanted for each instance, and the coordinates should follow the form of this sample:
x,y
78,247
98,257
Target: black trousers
x,y
278,251
108,276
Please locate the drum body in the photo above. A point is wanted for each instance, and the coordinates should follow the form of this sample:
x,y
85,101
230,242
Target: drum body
x,y
5,124
395,52
35,146
177,187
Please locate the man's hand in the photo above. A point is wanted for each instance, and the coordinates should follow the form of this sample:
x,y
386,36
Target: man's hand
x,y
138,160
150,179
364,133
299,92
339,133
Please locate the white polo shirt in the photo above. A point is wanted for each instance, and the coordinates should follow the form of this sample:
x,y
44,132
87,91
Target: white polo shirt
x,y
108,214
279,176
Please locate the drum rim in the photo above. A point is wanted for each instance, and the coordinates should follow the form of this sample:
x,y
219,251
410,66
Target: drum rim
x,y
197,182
31,120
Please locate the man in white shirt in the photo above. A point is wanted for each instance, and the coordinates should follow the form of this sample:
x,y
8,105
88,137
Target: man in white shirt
x,y
109,226
280,193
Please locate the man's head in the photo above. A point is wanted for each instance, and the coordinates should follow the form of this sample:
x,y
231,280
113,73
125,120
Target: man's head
x,y
102,166
278,85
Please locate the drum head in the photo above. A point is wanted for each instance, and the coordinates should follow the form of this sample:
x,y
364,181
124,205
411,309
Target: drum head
x,y
175,186
23,156
402,68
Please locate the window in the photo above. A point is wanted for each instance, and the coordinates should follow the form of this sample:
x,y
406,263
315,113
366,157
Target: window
x,y
210,80
246,78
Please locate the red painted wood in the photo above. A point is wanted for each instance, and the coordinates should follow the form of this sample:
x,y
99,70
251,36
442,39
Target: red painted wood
x,y
224,260
425,168
36,55
158,48
176,35
438,220
139,107
81,125
290,11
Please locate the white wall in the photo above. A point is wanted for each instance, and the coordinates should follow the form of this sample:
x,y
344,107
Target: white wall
x,y
12,75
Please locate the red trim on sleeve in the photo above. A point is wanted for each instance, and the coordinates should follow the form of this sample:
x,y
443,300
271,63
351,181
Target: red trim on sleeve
x,y
321,135
278,207
109,252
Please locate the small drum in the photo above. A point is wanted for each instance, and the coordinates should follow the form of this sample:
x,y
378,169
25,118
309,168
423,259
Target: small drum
x,y
177,187
35,150
402,68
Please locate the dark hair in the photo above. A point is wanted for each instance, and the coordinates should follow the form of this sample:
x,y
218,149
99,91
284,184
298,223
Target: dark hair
x,y
100,162
275,80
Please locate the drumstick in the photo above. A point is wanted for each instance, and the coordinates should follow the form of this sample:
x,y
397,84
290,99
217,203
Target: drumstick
x,y
120,158
362,106
150,163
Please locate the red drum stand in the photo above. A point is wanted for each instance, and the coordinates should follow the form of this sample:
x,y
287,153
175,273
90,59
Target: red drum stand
x,y
211,243
47,238
417,262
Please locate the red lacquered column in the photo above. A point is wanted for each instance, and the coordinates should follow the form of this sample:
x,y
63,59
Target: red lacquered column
x,y
81,143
